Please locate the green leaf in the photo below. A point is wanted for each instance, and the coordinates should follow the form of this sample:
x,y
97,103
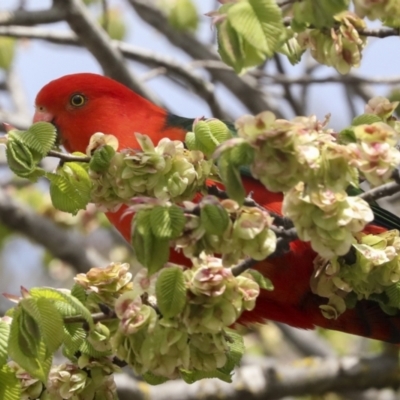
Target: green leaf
x,y
347,136
79,292
40,137
231,178
183,15
101,158
365,119
252,31
10,385
60,300
259,22
207,135
319,14
230,46
205,141
70,187
171,292
292,49
261,280
19,157
48,319
235,353
152,379
214,219
114,24
393,294
150,251
4,334
74,336
29,334
194,376
167,222
7,51
27,353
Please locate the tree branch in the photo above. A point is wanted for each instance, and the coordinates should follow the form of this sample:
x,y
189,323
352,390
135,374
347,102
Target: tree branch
x,y
63,244
271,380
23,17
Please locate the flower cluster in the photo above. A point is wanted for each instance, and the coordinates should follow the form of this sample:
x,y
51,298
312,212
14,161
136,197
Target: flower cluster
x,y
68,381
89,381
327,218
374,272
194,339
167,171
374,153
386,10
245,231
288,152
105,285
217,298
308,162
31,388
341,46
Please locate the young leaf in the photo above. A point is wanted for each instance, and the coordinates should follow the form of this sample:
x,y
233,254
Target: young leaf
x,y
194,376
231,178
74,336
261,280
171,292
7,51
230,46
101,158
19,157
10,385
319,14
70,188
61,299
214,219
49,321
150,251
167,222
365,119
235,353
152,379
40,137
183,15
393,294
259,22
4,333
30,355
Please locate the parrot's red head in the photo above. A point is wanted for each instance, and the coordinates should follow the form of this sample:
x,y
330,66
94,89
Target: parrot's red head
x,y
80,105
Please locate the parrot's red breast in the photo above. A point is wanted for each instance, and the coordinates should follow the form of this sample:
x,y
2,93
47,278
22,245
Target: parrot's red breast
x,y
80,105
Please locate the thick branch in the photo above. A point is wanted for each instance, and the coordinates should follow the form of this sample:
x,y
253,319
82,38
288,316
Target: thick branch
x,y
23,17
274,380
63,244
279,79
388,189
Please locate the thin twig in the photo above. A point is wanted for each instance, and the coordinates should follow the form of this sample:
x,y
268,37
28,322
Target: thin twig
x,y
68,157
97,317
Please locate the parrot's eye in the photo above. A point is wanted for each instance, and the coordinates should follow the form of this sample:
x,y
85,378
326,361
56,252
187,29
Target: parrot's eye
x,y
77,100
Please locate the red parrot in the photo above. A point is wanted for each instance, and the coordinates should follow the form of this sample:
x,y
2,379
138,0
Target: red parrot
x,y
81,104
